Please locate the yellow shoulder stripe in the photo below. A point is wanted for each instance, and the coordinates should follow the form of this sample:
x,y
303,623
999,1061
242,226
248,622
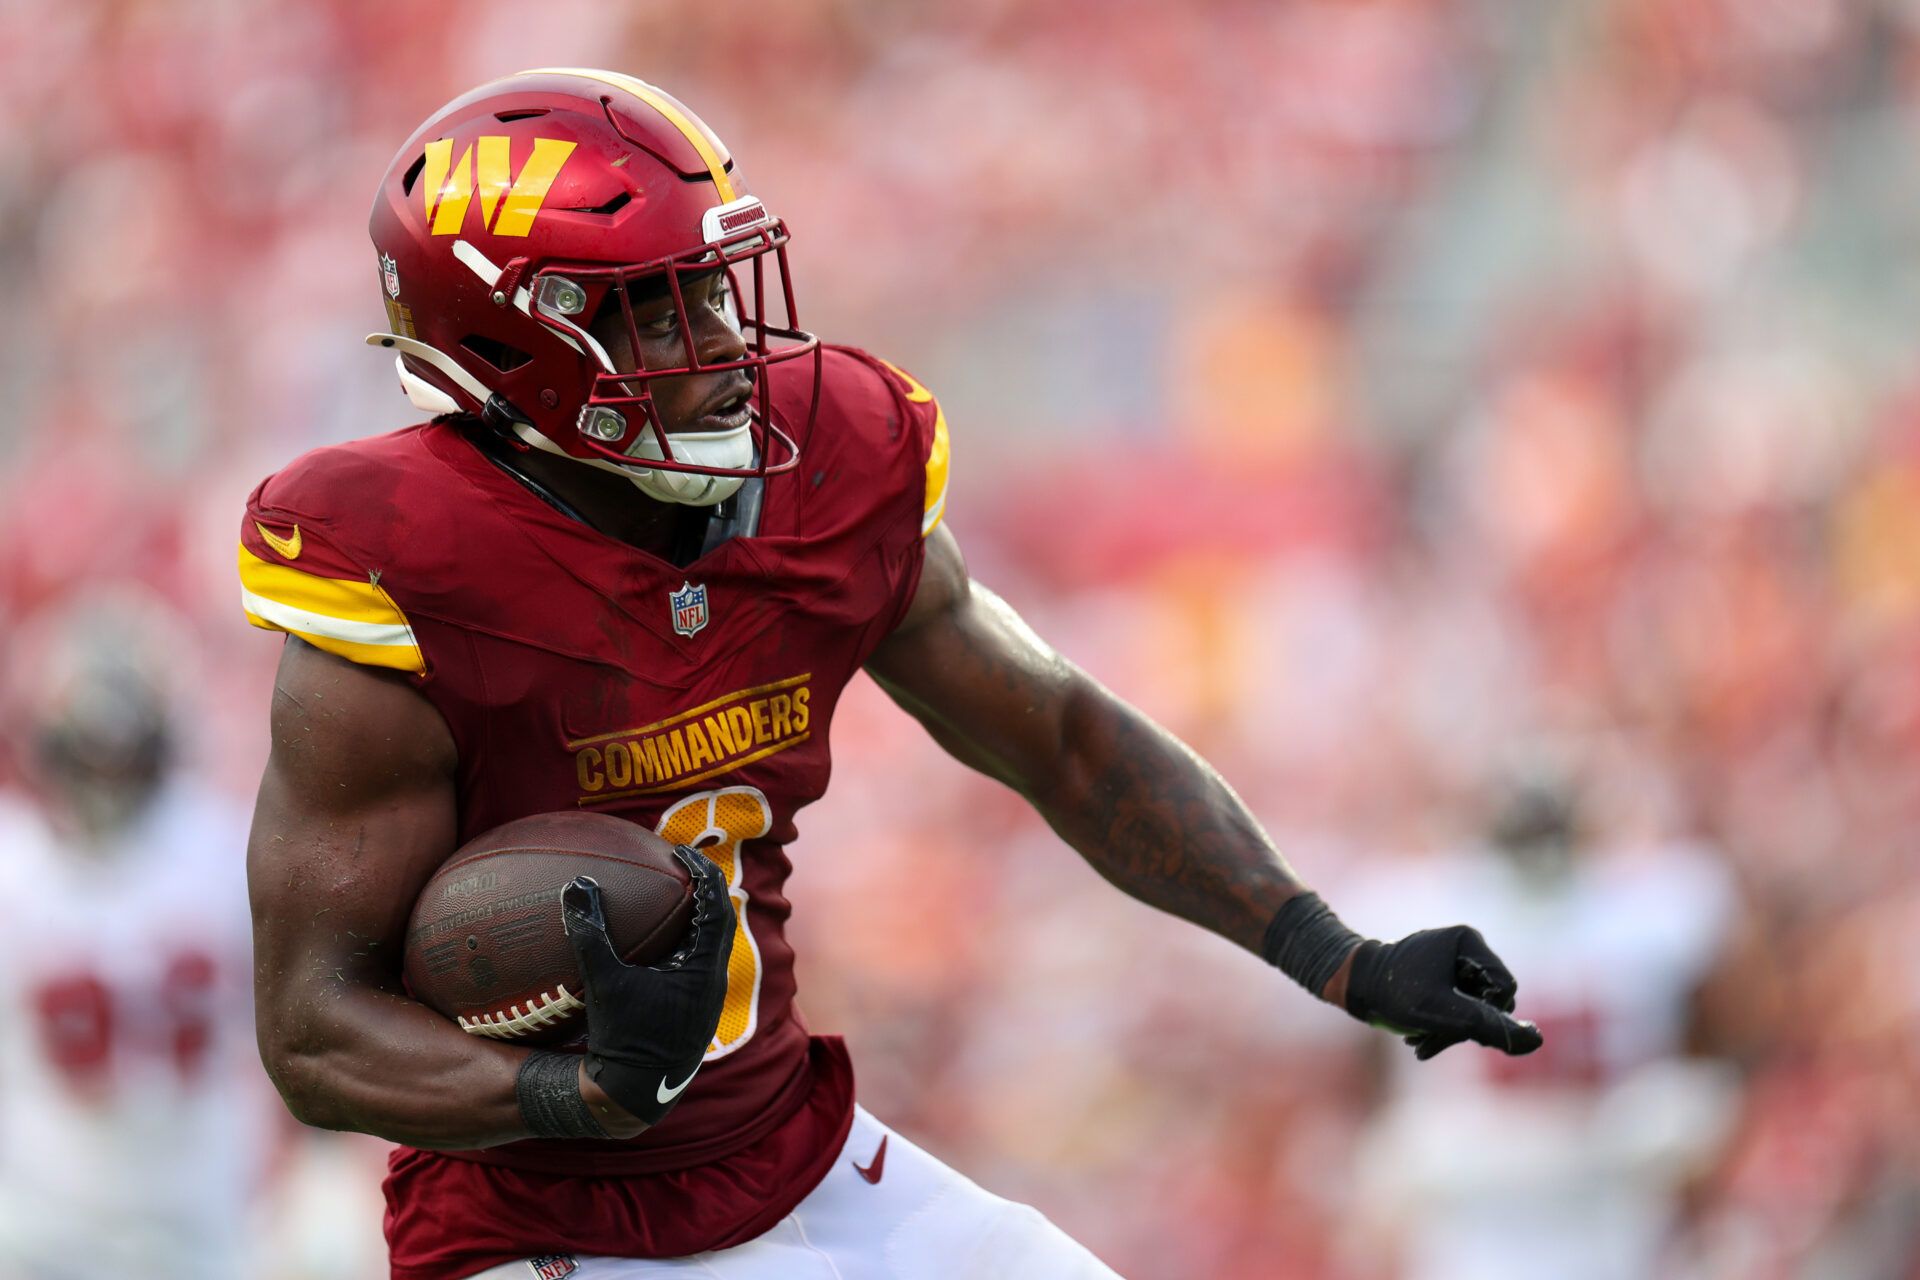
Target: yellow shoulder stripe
x,y
916,394
348,600
937,458
356,620
694,132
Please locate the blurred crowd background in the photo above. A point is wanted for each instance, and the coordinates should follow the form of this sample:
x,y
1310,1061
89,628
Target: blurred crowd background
x,y
1488,431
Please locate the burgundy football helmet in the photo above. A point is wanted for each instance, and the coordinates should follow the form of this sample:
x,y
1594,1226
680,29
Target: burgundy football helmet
x,y
521,209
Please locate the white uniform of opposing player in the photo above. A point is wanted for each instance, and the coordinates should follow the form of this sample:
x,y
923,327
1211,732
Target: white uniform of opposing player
x,y
131,1100
1561,1164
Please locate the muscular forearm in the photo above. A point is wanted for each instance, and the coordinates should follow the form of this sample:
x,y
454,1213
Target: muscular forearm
x,y
1157,821
356,811
368,1060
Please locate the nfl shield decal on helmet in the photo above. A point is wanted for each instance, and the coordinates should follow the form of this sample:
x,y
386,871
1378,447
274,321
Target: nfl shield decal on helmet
x,y
553,1267
390,275
689,605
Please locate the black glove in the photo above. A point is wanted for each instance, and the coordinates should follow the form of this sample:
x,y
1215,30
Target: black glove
x,y
1438,987
648,1026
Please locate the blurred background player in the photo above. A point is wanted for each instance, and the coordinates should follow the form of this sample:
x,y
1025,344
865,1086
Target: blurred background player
x,y
1572,1159
131,1116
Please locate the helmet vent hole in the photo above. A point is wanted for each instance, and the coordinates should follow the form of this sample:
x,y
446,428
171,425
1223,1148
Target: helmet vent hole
x,y
500,355
508,117
412,175
619,202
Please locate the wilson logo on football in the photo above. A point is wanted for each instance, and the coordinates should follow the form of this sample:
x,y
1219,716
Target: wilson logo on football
x,y
508,203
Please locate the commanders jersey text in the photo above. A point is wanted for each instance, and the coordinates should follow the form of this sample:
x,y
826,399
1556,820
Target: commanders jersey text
x,y
711,739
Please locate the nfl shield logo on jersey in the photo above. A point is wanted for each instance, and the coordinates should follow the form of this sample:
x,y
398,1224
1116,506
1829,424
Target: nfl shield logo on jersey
x,y
689,605
554,1267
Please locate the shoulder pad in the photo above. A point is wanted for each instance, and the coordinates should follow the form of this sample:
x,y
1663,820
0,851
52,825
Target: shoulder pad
x,y
307,542
880,412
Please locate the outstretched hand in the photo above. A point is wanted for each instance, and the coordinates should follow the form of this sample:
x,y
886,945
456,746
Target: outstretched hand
x,y
1437,988
648,1026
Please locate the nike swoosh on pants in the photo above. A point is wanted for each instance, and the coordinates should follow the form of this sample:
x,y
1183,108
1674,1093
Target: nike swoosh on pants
x,y
873,1172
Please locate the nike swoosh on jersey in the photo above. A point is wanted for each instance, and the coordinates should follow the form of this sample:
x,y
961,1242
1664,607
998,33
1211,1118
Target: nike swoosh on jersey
x,y
665,1095
287,547
876,1170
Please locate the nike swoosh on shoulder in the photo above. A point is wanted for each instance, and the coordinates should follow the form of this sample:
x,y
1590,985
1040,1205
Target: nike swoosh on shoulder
x,y
664,1095
288,547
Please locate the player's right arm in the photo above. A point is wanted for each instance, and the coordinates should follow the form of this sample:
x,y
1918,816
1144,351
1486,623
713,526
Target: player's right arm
x,y
355,813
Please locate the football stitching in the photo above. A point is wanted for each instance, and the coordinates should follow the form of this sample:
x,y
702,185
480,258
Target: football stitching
x,y
547,1009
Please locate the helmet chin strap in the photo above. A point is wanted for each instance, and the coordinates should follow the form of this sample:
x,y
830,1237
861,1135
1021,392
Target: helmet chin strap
x,y
678,487
439,359
732,449
685,489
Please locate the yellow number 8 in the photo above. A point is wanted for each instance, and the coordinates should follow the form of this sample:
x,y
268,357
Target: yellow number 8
x,y
717,823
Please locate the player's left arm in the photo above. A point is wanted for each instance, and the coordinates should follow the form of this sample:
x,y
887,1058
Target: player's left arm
x,y
1157,821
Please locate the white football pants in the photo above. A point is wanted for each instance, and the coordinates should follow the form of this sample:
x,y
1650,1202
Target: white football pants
x,y
920,1221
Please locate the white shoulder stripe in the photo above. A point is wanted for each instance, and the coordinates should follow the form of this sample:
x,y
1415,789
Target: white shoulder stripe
x,y
934,512
320,624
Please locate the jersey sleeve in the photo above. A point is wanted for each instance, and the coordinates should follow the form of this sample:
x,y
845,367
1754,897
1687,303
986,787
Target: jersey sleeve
x,y
298,576
930,429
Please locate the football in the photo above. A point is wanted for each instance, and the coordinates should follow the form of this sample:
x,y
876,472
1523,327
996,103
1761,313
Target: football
x,y
486,946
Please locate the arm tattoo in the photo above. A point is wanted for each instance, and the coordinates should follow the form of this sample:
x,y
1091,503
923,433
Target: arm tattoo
x,y
1158,822
1151,816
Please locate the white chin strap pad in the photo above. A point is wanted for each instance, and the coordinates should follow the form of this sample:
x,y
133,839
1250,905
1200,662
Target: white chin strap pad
x,y
669,486
730,449
685,489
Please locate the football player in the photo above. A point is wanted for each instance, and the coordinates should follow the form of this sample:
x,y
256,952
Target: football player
x,y
132,1124
651,532
1610,1120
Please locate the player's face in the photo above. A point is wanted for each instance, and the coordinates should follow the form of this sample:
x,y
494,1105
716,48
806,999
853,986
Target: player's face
x,y
697,401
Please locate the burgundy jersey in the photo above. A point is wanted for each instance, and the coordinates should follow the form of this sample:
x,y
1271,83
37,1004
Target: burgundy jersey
x,y
577,672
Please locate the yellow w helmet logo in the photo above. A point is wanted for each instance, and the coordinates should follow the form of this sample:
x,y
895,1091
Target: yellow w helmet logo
x,y
507,203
